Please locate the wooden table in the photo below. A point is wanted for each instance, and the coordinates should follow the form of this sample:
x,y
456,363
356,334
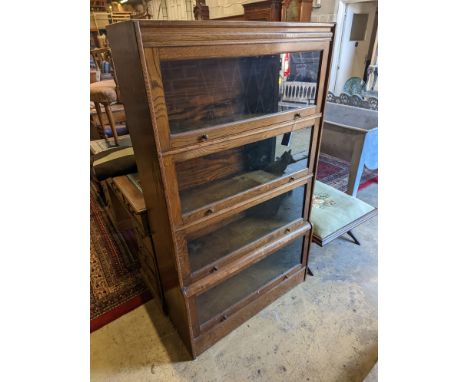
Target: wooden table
x,y
350,133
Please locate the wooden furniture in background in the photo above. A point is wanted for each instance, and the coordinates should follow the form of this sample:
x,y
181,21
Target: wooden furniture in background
x,y
99,131
126,208
296,10
98,5
105,92
100,20
100,56
351,133
268,10
226,175
201,10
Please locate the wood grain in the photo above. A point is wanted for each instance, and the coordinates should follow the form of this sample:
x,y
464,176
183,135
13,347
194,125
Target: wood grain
x,y
141,51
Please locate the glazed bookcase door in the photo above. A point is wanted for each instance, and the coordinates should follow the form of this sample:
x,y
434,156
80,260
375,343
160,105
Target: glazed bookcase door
x,y
209,183
239,236
204,93
244,231
206,99
216,304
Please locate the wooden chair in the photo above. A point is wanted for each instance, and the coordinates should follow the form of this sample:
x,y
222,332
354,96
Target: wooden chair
x,y
105,92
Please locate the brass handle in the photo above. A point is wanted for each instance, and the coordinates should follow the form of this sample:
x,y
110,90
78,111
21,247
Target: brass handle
x,y
297,115
214,269
209,211
285,277
287,230
291,179
223,317
204,137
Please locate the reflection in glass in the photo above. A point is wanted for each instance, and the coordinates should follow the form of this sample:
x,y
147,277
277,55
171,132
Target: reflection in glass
x,y
217,176
238,287
209,92
246,227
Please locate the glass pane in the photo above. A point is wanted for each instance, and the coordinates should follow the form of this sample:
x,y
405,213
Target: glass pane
x,y
238,287
208,92
208,179
358,27
246,227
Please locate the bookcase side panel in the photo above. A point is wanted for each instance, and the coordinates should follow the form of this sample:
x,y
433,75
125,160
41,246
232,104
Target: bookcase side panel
x,y
124,41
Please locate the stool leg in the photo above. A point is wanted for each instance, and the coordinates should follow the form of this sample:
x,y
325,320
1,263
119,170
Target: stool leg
x,y
353,237
99,114
112,123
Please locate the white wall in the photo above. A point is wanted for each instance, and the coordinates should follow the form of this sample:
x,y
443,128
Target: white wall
x,y
223,8
326,13
176,9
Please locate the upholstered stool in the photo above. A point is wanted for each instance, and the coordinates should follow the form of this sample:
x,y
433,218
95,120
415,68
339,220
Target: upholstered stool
x,y
104,92
336,213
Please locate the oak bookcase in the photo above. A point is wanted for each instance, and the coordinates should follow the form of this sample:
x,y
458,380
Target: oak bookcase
x,y
226,156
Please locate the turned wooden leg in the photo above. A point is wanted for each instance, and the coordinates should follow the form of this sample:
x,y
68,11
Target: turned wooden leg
x,y
99,114
112,123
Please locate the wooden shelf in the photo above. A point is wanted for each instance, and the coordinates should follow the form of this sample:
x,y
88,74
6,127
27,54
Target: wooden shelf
x,y
185,126
202,196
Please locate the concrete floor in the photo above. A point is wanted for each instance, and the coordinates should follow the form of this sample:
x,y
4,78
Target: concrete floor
x,y
323,330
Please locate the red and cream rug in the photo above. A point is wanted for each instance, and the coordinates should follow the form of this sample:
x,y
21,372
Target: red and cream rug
x,y
116,284
334,172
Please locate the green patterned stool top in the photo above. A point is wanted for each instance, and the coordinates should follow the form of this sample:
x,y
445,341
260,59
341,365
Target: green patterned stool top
x,y
335,213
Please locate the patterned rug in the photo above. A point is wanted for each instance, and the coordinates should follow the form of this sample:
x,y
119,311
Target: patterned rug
x,y
116,284
335,173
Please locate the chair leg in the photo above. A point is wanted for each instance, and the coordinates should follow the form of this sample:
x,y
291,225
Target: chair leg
x,y
112,123
353,237
99,114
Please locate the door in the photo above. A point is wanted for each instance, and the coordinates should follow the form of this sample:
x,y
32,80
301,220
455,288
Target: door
x,y
357,34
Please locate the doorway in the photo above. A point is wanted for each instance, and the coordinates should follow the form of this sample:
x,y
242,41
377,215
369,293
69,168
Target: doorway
x,y
356,36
